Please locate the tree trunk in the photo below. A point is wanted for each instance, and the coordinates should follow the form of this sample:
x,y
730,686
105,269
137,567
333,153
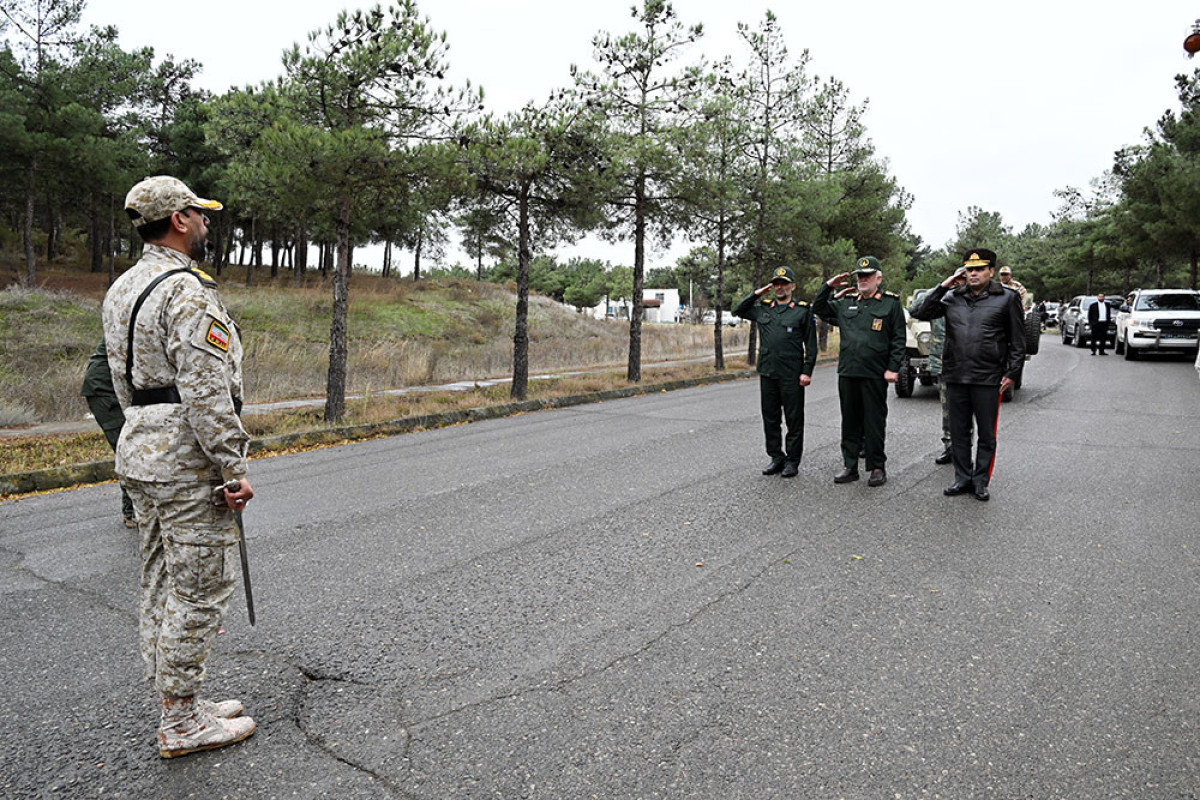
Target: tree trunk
x,y
30,258
634,371
109,243
1193,281
718,343
520,377
274,250
335,385
95,238
301,256
387,257
53,231
417,257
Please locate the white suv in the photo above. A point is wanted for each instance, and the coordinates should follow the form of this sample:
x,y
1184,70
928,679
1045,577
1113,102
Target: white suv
x,y
1158,319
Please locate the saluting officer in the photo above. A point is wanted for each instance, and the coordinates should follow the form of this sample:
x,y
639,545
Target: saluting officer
x,y
871,323
176,360
786,357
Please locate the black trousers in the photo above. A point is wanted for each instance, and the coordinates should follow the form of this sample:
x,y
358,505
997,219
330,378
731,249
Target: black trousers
x,y
864,420
1099,336
981,403
782,400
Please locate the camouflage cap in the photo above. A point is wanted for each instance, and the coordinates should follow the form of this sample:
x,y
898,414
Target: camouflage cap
x,y
158,197
783,274
868,265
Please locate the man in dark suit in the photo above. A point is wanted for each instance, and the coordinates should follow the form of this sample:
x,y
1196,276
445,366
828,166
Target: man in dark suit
x,y
982,356
1098,316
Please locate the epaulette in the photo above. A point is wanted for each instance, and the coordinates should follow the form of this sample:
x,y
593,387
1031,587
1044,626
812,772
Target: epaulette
x,y
204,277
801,302
892,294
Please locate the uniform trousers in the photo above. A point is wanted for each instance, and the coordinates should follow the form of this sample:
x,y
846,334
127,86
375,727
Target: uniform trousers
x,y
946,415
980,403
189,572
786,395
864,420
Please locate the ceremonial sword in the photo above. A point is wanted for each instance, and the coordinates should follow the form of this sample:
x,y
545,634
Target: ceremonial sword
x,y
234,486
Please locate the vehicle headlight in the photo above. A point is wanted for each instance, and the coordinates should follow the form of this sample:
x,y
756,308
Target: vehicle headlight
x,y
1142,323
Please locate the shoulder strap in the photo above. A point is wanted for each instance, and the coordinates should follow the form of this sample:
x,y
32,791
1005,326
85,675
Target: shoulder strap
x,y
137,306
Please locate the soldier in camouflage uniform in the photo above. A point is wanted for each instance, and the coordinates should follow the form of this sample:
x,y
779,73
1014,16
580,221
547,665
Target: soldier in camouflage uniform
x,y
179,387
101,398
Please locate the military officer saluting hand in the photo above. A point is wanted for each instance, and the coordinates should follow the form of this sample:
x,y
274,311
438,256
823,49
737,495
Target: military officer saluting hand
x,y
786,357
176,362
871,323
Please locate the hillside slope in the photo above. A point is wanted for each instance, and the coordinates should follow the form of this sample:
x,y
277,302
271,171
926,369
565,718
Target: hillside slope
x,y
401,334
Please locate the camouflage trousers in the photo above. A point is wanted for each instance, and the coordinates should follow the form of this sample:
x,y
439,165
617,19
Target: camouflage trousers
x,y
189,572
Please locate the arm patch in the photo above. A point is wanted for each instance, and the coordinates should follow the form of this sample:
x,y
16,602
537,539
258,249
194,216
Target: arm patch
x,y
217,336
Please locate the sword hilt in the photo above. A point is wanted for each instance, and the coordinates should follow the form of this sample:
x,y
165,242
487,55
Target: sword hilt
x,y
233,485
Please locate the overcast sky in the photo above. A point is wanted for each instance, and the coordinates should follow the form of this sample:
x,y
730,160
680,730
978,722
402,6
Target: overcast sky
x,y
991,104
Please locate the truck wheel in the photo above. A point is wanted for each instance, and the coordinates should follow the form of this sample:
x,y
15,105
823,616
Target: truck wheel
x,y
1033,334
905,380
1078,340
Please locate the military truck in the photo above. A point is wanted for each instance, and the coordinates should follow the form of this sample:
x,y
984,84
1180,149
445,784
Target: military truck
x,y
919,336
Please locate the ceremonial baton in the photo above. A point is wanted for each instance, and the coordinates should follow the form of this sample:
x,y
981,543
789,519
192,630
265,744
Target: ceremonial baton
x,y
233,486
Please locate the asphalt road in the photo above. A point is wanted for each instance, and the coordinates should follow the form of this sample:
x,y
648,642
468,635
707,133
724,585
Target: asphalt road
x,y
609,601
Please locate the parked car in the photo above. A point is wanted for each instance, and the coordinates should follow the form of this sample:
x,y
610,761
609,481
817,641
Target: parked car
x,y
1052,315
1158,319
1073,320
727,318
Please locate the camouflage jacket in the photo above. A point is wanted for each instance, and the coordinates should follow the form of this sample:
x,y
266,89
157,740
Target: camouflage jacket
x,y
186,339
937,341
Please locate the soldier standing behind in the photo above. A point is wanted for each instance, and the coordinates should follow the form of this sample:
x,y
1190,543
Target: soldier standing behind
x,y
785,364
101,398
871,324
177,361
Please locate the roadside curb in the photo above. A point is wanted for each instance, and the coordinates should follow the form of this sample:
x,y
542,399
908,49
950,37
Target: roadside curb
x,y
100,471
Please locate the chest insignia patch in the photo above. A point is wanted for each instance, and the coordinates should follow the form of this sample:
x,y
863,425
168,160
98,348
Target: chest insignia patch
x,y
218,336
876,324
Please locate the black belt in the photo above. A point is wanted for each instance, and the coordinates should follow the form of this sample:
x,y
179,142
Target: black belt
x,y
169,394
152,397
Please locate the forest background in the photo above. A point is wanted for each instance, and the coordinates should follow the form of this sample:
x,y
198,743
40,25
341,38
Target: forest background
x,y
363,141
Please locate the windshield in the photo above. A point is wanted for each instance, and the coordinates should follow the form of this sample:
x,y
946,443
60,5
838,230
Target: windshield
x,y
1168,302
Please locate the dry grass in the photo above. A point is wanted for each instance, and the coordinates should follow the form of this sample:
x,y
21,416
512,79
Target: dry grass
x,y
401,334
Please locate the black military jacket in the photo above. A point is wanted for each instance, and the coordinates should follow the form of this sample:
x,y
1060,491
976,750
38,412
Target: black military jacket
x,y
787,336
872,331
985,333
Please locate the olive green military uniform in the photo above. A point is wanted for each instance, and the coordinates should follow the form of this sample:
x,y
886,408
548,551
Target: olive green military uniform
x,y
102,400
872,342
787,350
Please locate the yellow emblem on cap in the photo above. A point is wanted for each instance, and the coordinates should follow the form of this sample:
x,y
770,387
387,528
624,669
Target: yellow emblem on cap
x,y
864,263
781,272
974,260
